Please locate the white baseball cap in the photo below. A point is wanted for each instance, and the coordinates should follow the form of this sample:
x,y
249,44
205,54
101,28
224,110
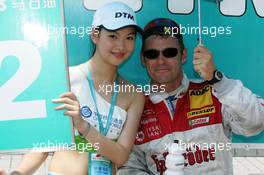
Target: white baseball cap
x,y
115,15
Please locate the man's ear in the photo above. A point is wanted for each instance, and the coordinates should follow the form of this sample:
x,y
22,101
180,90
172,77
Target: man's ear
x,y
95,35
184,55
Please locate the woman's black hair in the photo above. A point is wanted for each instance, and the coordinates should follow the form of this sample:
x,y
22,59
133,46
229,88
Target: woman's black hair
x,y
93,48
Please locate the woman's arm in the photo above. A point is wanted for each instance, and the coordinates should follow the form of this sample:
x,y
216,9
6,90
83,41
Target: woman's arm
x,y
119,151
31,162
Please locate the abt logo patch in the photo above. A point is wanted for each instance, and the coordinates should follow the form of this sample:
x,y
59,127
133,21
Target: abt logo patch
x,y
124,15
200,97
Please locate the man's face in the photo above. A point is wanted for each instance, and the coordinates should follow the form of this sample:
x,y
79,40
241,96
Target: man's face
x,y
164,70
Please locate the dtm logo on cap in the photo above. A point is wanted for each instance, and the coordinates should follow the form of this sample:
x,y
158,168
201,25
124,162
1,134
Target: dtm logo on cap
x,y
124,15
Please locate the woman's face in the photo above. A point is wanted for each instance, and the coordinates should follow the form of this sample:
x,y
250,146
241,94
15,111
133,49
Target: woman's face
x,y
115,47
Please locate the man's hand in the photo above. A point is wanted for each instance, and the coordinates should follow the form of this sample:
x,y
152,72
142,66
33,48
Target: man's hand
x,y
203,62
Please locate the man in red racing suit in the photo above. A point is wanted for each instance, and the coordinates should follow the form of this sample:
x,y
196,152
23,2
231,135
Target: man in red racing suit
x,y
200,115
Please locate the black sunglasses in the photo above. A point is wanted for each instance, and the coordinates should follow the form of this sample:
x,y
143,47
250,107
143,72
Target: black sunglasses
x,y
153,53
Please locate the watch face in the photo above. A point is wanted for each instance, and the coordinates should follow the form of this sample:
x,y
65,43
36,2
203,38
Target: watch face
x,y
218,75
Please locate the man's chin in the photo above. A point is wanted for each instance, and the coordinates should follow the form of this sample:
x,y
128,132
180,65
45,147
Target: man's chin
x,y
162,80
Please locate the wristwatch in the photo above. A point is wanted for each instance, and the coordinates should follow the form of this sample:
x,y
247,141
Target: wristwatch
x,y
218,76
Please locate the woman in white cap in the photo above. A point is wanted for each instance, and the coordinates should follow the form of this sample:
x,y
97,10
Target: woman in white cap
x,y
107,119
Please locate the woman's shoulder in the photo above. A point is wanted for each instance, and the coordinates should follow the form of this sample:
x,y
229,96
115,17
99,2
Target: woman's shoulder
x,y
76,73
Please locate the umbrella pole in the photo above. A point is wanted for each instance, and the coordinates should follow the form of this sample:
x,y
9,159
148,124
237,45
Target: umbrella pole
x,y
200,22
200,19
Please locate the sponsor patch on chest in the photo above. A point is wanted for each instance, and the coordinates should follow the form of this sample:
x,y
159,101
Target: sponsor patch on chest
x,y
198,121
200,97
204,111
